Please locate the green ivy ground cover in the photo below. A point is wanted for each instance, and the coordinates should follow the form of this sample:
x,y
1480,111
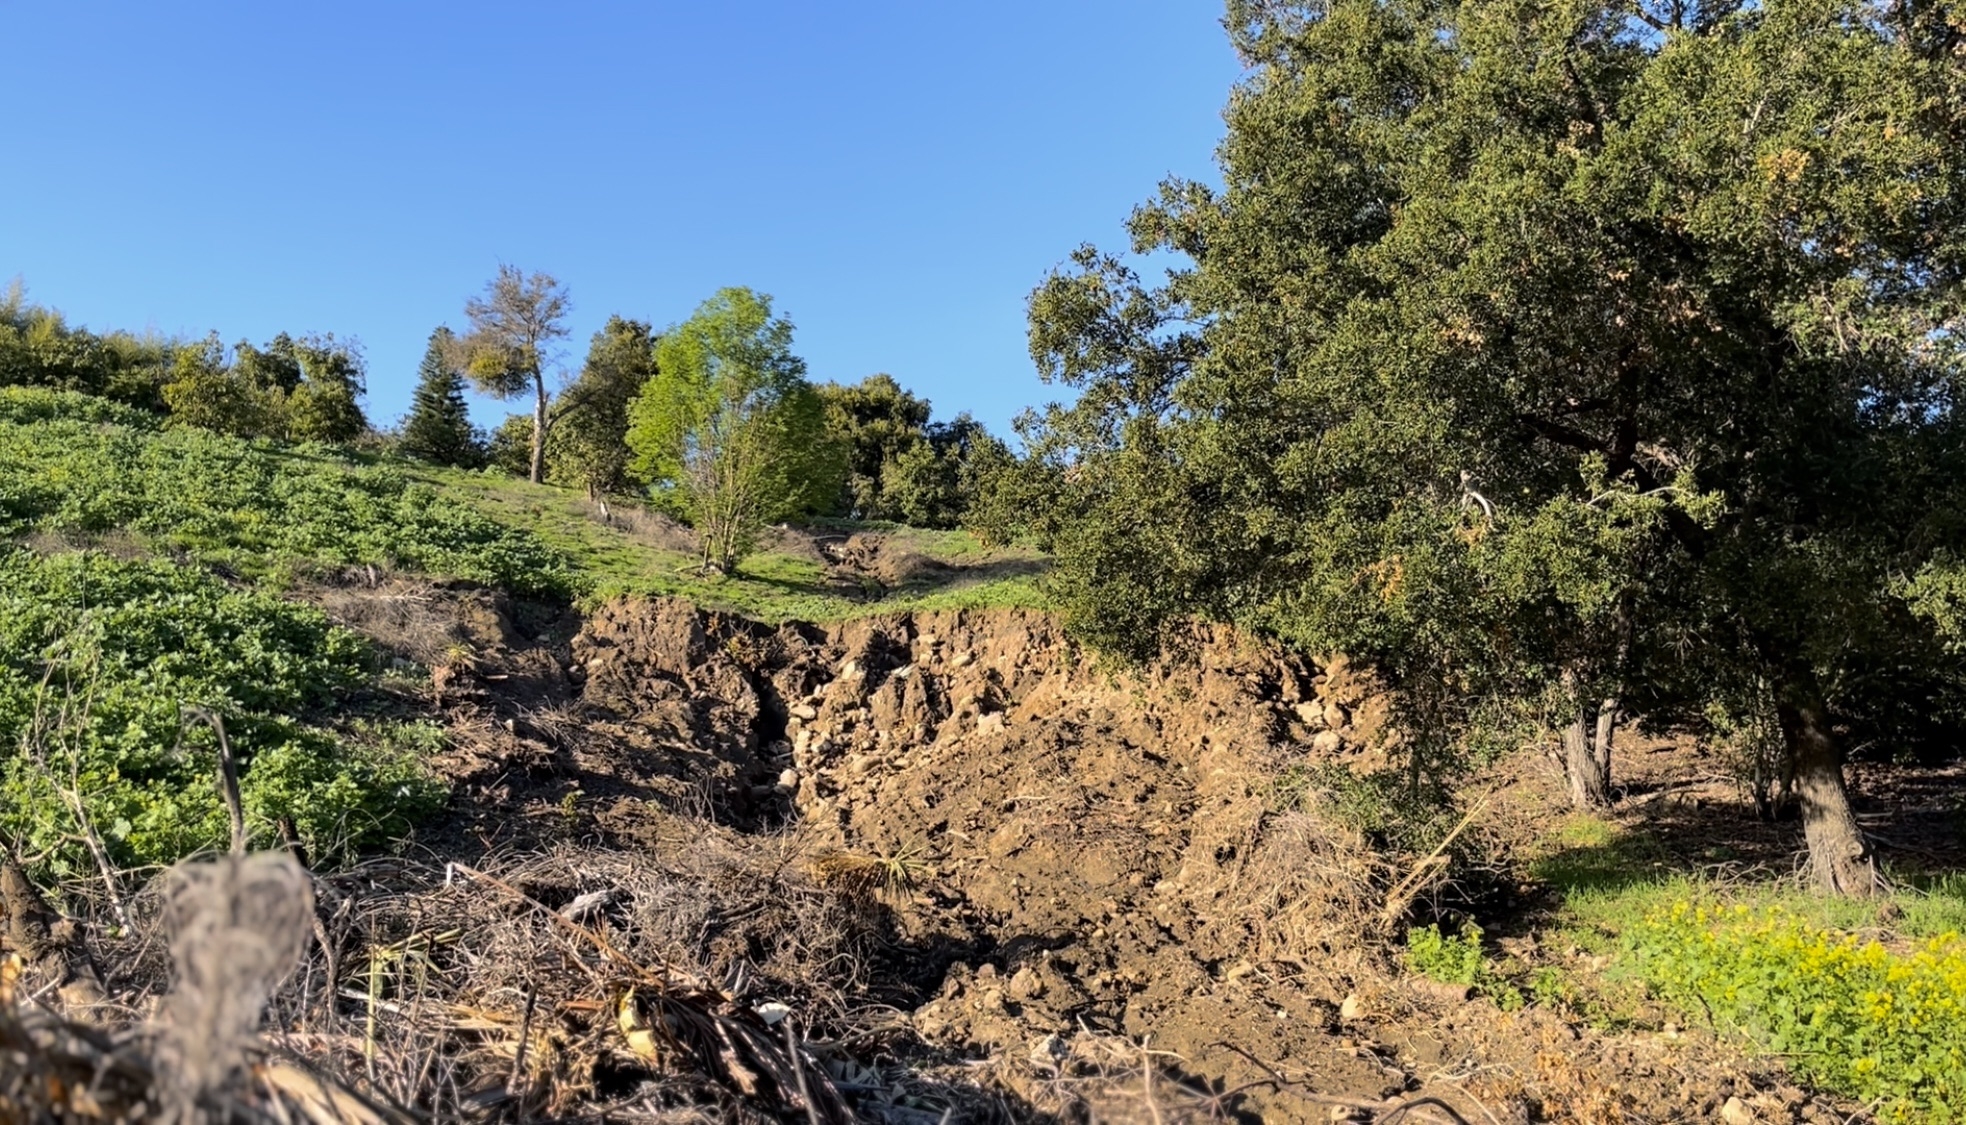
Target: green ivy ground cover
x,y
66,467
97,658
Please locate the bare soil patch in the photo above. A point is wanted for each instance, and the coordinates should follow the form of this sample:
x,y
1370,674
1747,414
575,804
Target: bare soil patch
x,y
1085,876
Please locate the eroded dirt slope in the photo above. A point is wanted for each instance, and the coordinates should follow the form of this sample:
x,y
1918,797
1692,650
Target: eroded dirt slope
x,y
1078,857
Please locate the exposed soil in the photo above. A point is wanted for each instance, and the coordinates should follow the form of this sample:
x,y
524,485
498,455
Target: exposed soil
x,y
1077,870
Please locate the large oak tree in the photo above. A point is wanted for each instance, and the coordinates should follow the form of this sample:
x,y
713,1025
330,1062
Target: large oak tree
x,y
1592,354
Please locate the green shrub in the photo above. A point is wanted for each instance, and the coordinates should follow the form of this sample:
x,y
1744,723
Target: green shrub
x,y
98,656
1882,1024
24,405
1449,959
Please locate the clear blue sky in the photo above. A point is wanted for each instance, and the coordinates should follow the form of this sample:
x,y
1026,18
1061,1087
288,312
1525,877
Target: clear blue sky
x,y
897,175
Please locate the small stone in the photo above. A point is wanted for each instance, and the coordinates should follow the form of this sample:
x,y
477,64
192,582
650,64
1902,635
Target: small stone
x,y
1310,714
1049,1051
1327,743
805,712
788,780
1736,1112
1026,984
1440,990
1351,1008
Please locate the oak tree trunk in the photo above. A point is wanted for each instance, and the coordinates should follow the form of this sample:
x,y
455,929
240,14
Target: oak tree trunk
x,y
1587,755
538,475
1839,857
1587,751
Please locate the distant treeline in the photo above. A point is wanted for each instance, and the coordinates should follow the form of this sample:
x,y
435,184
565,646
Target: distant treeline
x,y
900,465
296,389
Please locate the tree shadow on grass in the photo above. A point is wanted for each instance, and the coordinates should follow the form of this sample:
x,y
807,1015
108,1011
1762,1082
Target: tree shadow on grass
x,y
920,583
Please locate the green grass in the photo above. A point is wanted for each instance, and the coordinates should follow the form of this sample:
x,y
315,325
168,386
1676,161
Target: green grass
x,y
256,508
87,472
1609,880
631,556
1867,997
97,658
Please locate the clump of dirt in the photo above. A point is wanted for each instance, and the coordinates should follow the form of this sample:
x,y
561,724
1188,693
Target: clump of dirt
x,y
874,556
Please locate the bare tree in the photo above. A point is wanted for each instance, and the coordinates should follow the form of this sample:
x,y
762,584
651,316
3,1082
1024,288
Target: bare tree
x,y
510,344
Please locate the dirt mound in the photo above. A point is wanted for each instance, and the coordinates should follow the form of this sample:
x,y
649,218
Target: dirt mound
x,y
1099,881
1085,860
1083,850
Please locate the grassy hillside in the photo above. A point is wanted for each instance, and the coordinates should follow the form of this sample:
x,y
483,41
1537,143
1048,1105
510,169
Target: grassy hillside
x,y
141,572
89,472
630,551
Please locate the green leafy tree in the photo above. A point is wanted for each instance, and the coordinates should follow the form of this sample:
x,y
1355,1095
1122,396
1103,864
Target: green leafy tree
x,y
204,391
1588,356
272,370
326,404
510,344
590,443
509,446
438,428
879,423
730,428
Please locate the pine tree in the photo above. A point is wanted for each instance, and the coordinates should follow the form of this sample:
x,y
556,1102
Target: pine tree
x,y
439,426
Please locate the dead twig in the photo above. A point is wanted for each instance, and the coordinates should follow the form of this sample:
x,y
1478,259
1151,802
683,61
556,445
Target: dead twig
x,y
1403,894
1385,1111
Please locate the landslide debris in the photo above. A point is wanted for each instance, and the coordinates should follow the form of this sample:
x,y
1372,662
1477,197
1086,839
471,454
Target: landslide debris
x,y
994,879
1073,861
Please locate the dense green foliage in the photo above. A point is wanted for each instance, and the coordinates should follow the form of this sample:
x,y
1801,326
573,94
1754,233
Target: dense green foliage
x,y
1594,357
438,428
305,389
1884,1025
293,390
253,506
901,466
38,348
97,656
26,405
588,447
729,429
879,423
